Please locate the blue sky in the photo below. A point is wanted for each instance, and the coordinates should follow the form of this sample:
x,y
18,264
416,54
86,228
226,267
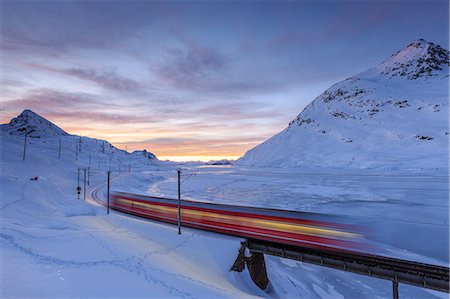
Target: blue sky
x,y
194,78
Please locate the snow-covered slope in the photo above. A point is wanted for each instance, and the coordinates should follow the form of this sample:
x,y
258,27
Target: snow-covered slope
x,y
144,154
53,245
33,124
78,148
394,115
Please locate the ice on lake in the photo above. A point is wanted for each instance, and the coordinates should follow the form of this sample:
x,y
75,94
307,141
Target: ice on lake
x,y
407,211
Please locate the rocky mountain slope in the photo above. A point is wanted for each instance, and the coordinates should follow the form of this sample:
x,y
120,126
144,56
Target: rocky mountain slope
x,y
394,115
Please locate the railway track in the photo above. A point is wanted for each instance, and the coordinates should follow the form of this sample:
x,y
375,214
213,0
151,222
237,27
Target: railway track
x,y
398,271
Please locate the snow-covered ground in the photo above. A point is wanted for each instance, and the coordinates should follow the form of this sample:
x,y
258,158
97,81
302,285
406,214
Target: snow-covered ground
x,y
55,246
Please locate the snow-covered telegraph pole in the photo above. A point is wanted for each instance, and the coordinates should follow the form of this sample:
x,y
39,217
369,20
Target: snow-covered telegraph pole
x,y
59,150
84,191
79,144
78,187
89,171
179,196
109,175
76,152
179,200
25,145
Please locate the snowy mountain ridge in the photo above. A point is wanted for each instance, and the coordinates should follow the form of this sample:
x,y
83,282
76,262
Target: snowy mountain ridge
x,y
33,124
394,115
38,127
144,153
419,59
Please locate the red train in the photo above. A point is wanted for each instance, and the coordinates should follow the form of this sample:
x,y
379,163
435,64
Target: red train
x,y
287,227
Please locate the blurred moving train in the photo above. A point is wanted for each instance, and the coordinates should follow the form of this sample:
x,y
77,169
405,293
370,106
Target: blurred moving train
x,y
303,229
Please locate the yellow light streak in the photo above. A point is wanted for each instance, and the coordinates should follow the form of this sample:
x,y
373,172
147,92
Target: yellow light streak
x,y
254,223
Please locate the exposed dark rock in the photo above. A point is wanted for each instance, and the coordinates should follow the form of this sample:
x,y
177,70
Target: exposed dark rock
x,y
422,137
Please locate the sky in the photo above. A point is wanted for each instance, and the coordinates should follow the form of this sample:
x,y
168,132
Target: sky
x,y
183,78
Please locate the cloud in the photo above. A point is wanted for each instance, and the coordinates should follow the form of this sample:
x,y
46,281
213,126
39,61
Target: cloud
x,y
192,67
12,82
107,79
73,107
49,100
54,28
92,117
237,110
211,71
195,146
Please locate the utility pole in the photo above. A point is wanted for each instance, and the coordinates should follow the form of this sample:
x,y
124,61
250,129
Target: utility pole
x,y
76,152
179,201
79,144
103,148
89,170
395,289
59,151
25,146
109,174
179,196
78,188
84,191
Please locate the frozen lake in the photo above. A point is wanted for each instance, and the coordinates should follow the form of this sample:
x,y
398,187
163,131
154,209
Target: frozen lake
x,y
407,212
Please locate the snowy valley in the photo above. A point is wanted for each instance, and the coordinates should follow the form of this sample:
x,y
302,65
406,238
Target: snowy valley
x,y
373,148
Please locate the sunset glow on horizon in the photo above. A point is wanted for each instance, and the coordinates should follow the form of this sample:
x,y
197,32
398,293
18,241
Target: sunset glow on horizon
x,y
197,158
192,80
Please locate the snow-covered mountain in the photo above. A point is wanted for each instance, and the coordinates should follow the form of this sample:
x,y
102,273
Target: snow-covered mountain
x,y
33,124
46,137
145,154
394,115
220,162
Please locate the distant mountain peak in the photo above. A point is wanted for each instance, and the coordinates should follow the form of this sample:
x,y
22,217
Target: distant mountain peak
x,y
33,124
28,112
419,59
145,154
419,42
